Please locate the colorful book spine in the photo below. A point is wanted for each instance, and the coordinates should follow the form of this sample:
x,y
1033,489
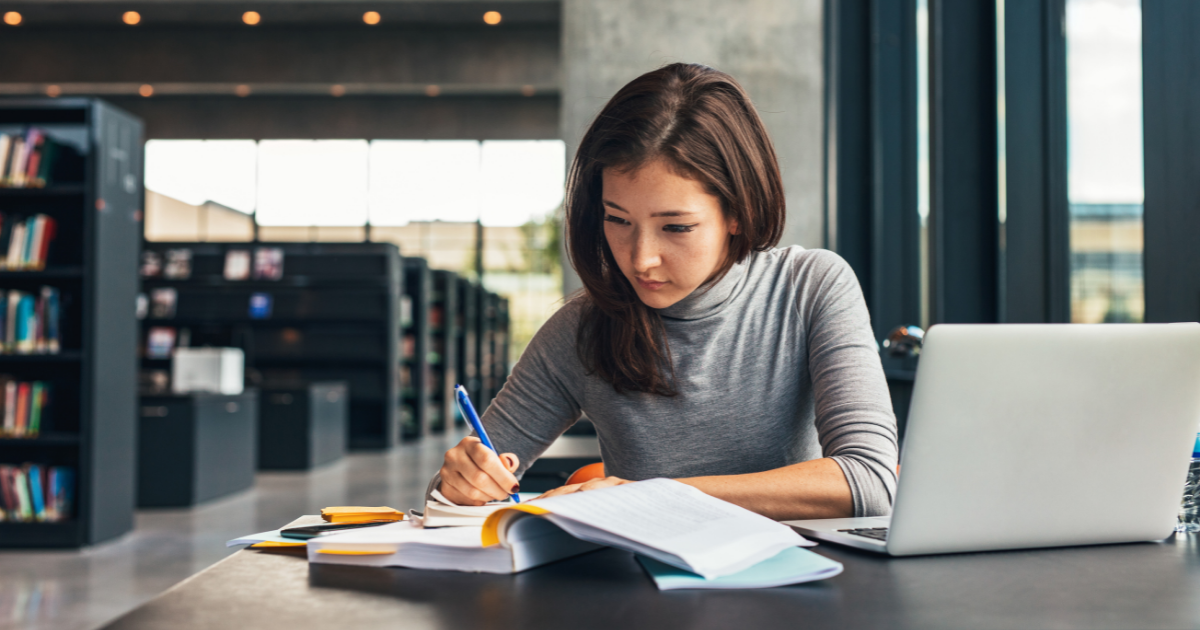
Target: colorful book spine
x,y
37,497
24,407
34,492
27,160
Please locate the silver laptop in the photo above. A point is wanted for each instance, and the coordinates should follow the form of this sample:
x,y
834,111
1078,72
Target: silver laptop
x,y
1024,436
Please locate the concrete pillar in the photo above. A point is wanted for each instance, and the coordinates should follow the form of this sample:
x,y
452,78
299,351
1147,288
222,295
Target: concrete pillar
x,y
772,47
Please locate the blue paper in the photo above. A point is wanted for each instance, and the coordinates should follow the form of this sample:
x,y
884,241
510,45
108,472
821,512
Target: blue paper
x,y
790,566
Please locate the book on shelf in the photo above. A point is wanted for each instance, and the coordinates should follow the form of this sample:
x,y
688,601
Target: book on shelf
x,y
162,302
25,241
23,407
160,341
38,493
268,263
177,264
34,159
29,323
152,264
237,264
261,305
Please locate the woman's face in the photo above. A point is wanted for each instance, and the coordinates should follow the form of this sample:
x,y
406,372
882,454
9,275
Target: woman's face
x,y
667,232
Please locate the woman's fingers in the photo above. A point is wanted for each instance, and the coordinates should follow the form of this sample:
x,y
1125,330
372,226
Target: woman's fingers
x,y
473,475
594,484
491,467
559,491
463,491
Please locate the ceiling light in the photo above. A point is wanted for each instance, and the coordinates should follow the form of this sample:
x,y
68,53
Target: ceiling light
x,y
12,18
338,90
251,17
242,90
432,90
371,17
491,18
146,90
131,17
53,91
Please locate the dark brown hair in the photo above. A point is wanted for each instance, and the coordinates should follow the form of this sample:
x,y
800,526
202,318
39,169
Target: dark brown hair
x,y
701,122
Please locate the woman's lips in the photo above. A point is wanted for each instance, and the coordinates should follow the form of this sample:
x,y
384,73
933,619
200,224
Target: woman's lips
x,y
650,285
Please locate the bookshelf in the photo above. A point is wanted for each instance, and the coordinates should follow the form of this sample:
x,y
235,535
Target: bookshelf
x,y
332,314
416,376
496,338
467,347
493,345
92,263
443,360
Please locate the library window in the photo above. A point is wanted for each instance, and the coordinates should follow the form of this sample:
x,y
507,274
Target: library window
x,y
1104,119
426,196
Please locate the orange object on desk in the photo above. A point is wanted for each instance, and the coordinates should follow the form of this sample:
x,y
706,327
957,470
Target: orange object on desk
x,y
360,514
587,473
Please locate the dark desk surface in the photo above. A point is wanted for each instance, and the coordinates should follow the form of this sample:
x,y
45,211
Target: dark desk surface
x,y
1119,586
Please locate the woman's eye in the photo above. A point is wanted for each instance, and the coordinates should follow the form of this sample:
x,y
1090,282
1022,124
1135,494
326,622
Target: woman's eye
x,y
680,228
618,220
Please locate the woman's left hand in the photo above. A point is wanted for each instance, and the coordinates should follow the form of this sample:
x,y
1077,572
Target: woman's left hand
x,y
594,484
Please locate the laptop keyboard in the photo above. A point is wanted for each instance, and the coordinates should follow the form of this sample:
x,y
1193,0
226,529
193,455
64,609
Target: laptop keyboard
x,y
878,533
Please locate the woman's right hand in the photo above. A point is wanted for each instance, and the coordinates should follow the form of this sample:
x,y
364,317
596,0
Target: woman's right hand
x,y
472,474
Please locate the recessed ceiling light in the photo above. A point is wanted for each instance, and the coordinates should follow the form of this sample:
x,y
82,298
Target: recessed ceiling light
x,y
491,18
146,90
131,17
251,17
371,17
12,18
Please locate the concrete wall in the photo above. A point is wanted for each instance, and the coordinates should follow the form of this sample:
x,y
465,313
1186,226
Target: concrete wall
x,y
772,47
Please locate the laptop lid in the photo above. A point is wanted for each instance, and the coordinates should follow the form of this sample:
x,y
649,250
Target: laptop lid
x,y
1047,435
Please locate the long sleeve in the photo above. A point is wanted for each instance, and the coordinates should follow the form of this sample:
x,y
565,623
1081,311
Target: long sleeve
x,y
541,398
854,418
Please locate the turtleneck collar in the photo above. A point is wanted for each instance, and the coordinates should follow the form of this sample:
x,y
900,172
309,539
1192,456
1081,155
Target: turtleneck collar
x,y
709,298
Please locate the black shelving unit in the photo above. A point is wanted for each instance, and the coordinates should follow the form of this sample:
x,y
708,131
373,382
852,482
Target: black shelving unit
x,y
494,357
467,344
484,320
492,354
93,263
500,338
443,357
334,315
416,381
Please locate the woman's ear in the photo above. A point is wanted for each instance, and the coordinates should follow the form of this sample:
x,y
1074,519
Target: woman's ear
x,y
733,227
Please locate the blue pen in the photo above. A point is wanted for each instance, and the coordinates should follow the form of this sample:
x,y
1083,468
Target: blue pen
x,y
468,410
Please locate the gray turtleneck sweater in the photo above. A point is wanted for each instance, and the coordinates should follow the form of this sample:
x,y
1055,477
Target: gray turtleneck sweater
x,y
775,364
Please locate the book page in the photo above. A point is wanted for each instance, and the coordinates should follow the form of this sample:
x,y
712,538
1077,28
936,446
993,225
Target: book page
x,y
692,530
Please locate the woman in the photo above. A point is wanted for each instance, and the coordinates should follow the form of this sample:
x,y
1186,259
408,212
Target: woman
x,y
697,350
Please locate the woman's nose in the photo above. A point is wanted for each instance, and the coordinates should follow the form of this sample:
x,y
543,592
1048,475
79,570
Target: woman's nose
x,y
645,253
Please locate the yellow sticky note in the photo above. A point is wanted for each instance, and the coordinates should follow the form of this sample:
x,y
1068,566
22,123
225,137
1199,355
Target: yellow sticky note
x,y
360,514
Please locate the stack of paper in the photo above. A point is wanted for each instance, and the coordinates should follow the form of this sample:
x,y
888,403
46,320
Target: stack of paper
x,y
442,512
360,514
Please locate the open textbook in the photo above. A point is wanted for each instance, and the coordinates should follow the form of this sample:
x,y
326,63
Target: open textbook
x,y
668,521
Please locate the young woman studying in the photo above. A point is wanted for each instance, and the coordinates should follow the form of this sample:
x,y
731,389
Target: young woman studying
x,y
698,350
